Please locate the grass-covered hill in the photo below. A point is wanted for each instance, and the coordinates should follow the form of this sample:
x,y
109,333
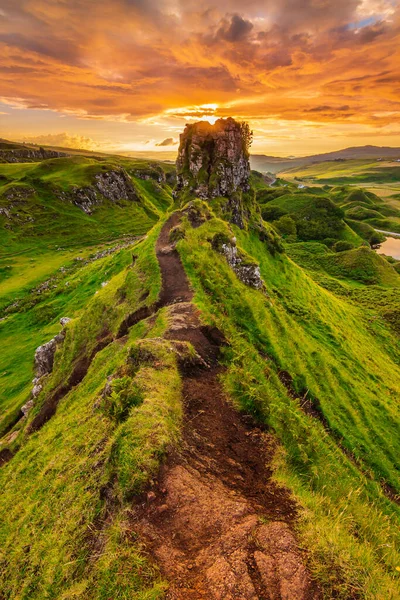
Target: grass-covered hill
x,y
348,171
331,212
310,356
61,238
50,203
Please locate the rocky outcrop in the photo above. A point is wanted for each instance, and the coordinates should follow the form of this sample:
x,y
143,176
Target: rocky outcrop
x,y
18,155
153,171
44,356
115,185
64,321
213,161
43,363
247,271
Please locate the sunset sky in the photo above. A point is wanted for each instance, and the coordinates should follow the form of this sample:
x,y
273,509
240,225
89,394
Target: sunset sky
x,y
126,75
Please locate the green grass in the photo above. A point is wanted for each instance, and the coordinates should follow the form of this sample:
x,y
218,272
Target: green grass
x,y
346,171
360,264
36,320
331,319
336,355
61,538
324,213
37,191
33,252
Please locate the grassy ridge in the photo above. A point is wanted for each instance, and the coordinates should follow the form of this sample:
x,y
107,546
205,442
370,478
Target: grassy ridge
x,y
325,344
67,491
43,217
32,252
67,531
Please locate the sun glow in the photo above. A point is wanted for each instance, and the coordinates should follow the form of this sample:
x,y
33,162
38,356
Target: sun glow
x,y
201,112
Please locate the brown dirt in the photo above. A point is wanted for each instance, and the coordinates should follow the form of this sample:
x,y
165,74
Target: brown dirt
x,y
175,285
5,456
214,521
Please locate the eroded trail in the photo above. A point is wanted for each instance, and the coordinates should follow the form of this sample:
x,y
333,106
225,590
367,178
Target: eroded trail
x,y
214,522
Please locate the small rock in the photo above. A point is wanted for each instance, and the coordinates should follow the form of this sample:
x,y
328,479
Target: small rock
x,y
37,388
27,407
64,321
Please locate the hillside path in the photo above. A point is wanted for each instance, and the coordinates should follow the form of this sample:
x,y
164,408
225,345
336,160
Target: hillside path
x,y
214,522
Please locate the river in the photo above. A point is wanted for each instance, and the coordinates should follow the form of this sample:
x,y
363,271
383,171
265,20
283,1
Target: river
x,y
390,247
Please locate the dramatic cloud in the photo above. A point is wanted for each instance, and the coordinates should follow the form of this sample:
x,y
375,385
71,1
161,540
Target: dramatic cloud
x,y
168,142
234,29
334,62
63,140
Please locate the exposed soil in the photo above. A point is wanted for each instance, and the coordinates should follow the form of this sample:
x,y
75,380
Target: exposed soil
x,y
214,522
5,456
175,285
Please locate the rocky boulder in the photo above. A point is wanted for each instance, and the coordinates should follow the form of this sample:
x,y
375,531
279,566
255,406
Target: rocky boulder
x,y
116,185
44,356
44,360
85,198
213,161
245,269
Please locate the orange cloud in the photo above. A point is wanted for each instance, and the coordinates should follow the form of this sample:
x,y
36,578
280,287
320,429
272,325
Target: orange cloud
x,y
271,60
63,140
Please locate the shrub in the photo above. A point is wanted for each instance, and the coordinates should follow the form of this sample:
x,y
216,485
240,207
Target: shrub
x,y
125,394
375,239
286,226
342,246
329,242
319,220
177,233
272,213
220,239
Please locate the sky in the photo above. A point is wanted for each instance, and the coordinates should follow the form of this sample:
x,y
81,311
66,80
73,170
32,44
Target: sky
x,y
126,75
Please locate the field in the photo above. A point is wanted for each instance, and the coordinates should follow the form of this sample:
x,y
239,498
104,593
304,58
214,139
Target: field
x,y
347,172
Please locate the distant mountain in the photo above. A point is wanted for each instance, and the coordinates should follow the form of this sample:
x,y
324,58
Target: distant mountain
x,y
273,164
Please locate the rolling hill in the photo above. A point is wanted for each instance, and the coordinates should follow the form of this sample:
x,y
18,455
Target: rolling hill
x,y
219,400
260,162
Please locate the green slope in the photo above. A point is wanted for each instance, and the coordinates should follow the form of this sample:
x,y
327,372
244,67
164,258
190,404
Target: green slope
x,y
338,457
42,214
347,171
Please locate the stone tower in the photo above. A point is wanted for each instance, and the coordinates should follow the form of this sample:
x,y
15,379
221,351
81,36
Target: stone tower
x,y
213,160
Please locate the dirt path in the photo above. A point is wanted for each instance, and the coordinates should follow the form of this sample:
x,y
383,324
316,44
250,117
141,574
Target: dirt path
x,y
214,522
175,285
